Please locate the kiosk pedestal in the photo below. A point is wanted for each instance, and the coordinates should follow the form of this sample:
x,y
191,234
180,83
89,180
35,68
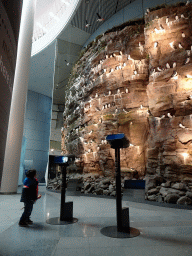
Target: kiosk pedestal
x,y
66,209
123,229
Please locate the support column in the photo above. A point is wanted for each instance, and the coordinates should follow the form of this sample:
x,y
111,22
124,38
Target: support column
x,y
9,182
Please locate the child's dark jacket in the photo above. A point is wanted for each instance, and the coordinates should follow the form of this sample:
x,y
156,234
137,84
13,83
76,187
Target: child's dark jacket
x,y
30,190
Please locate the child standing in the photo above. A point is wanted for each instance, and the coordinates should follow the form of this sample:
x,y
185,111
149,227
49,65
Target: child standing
x,y
29,196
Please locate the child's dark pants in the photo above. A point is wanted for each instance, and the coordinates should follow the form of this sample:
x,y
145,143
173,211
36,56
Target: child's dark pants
x,y
28,207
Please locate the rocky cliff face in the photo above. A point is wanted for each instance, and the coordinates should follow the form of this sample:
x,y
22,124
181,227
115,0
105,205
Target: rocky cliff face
x,y
107,94
137,80
168,41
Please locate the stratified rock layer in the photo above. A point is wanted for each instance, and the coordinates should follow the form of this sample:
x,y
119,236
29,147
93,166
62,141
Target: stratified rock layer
x,y
137,81
107,94
168,40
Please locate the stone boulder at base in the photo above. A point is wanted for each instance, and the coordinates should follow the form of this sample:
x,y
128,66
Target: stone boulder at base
x,y
184,200
172,198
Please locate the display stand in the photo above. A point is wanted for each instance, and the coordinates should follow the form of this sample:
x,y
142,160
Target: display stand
x,y
66,209
123,229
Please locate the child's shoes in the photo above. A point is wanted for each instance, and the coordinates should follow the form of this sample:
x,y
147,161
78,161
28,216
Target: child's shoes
x,y
29,222
23,224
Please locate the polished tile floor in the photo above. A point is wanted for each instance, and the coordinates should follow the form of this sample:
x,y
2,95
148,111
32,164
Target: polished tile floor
x,y
164,231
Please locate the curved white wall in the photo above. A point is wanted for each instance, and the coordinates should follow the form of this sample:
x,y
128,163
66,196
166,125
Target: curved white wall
x,y
48,38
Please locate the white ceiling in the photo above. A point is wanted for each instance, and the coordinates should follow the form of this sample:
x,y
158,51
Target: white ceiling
x,y
42,6
48,68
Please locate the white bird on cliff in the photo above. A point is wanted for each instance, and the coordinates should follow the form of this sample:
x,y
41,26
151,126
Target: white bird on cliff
x,y
124,64
174,73
180,46
135,72
109,92
167,20
176,17
187,61
172,46
81,139
167,65
116,110
182,126
121,53
128,57
155,44
96,95
174,64
182,16
106,56
97,109
159,69
126,90
183,34
169,115
109,105
152,72
188,52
